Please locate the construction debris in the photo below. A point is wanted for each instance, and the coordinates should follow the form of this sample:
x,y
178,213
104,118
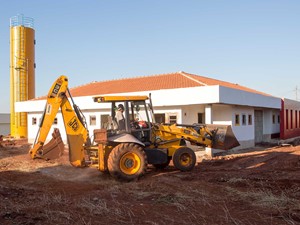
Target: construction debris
x,y
9,142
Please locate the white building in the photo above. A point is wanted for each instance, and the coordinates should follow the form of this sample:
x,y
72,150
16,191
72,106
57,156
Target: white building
x,y
177,97
4,124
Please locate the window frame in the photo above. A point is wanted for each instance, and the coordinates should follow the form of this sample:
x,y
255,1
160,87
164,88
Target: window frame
x,y
244,120
237,119
250,119
93,120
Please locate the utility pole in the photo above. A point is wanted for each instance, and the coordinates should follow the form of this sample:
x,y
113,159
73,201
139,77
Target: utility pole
x,y
296,93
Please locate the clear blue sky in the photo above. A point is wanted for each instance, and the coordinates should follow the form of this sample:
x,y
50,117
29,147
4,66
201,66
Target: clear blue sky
x,y
253,43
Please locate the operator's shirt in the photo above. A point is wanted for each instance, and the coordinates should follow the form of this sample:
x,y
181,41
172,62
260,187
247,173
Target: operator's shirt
x,y
120,120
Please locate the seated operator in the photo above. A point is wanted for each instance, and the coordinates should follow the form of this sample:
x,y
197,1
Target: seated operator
x,y
120,117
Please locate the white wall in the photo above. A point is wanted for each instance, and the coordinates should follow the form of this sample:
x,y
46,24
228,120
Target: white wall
x,y
175,97
244,132
190,113
168,110
268,126
222,114
33,128
225,114
238,97
167,97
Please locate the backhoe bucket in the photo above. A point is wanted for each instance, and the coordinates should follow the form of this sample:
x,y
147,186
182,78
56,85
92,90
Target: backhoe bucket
x,y
54,148
224,137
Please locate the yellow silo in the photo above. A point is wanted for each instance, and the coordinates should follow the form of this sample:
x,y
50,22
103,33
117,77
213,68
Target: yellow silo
x,y
22,71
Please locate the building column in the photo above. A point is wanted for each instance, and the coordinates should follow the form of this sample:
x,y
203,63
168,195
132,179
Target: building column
x,y
208,120
208,114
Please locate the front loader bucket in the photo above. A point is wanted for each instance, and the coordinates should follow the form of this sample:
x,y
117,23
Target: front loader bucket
x,y
223,137
54,148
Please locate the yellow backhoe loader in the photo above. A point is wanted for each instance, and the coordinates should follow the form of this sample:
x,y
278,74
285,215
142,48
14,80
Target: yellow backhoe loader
x,y
127,141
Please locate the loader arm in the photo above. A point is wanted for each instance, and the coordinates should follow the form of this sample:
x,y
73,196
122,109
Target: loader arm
x,y
202,137
209,135
75,127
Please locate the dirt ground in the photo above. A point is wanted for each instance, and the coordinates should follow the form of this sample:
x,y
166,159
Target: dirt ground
x,y
254,187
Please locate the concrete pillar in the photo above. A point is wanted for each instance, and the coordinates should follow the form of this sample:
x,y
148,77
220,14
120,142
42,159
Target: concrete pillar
x,y
208,120
208,114
209,152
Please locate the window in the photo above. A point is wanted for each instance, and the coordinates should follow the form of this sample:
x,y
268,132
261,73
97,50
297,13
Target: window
x,y
296,119
159,118
278,119
55,121
292,120
92,120
173,119
237,120
33,121
200,117
273,119
250,119
299,119
105,121
244,120
287,118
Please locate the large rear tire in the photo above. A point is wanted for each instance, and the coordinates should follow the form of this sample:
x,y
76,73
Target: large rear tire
x,y
184,159
127,162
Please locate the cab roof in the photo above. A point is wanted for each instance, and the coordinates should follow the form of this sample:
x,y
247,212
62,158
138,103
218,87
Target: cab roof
x,y
101,99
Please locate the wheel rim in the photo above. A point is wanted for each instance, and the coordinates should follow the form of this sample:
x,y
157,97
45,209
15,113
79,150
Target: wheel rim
x,y
185,159
130,163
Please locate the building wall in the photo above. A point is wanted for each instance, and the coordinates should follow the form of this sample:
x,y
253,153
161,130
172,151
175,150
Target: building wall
x,y
4,124
237,117
190,113
238,97
33,127
241,118
34,120
185,104
290,119
271,124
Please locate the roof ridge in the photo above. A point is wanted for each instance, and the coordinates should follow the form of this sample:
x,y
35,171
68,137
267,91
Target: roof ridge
x,y
216,80
193,79
206,77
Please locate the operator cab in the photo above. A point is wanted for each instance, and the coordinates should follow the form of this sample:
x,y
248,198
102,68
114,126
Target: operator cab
x,y
129,114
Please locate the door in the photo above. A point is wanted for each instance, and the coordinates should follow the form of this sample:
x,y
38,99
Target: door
x,y
258,126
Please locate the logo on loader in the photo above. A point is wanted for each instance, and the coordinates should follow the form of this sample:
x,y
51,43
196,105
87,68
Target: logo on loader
x,y
55,89
73,123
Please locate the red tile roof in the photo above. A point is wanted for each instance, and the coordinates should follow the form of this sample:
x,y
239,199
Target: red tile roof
x,y
151,83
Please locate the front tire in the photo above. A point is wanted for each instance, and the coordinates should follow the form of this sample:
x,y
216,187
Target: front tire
x,y
127,162
184,159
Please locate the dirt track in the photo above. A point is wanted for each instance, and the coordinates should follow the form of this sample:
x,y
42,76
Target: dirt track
x,y
258,187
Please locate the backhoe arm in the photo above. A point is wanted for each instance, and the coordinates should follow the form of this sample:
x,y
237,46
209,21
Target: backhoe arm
x,y
76,130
